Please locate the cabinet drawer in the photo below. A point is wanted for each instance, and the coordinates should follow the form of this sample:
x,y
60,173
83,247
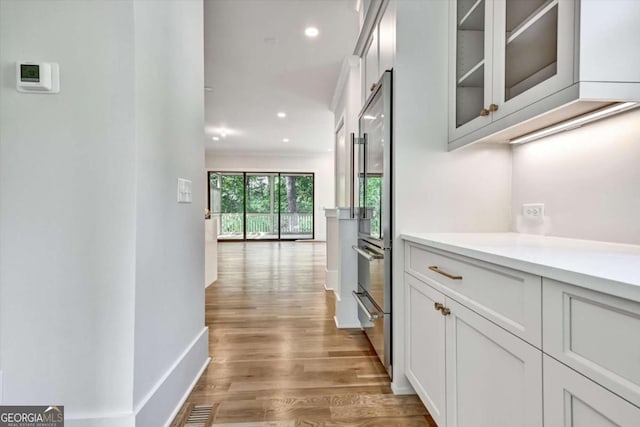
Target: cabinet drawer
x,y
596,334
572,400
509,298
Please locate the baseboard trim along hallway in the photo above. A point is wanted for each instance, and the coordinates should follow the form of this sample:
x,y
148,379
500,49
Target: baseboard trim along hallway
x,y
161,404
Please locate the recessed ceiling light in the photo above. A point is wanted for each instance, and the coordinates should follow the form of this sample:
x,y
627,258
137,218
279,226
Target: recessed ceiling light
x,y
311,32
282,114
215,138
285,139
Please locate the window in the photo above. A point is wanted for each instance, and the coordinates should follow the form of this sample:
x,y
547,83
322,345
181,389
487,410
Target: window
x,y
262,206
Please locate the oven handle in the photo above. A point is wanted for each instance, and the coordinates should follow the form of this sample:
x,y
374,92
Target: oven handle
x,y
371,316
366,254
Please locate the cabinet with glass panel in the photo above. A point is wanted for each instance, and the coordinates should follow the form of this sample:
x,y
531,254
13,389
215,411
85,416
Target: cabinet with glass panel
x,y
506,54
518,66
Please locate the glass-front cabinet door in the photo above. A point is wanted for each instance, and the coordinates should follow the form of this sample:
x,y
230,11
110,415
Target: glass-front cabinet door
x,y
534,51
470,64
505,55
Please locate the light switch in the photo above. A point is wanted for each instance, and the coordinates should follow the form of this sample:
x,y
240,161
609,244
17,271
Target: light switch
x,y
184,191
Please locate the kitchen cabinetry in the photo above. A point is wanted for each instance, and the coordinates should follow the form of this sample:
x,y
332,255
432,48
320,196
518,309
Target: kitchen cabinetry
x,y
596,334
425,350
493,377
478,355
378,55
467,370
511,61
572,400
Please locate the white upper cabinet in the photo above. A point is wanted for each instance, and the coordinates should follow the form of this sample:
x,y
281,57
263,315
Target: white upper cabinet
x,y
379,52
470,63
371,69
518,66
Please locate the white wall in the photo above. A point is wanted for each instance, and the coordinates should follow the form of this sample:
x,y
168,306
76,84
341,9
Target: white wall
x,y
588,179
67,205
322,165
169,310
101,271
434,190
348,104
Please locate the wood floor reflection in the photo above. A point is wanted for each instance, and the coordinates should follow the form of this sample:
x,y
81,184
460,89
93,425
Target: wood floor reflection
x,y
278,359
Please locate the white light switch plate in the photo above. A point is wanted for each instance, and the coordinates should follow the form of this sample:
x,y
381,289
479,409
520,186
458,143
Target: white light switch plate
x,y
184,191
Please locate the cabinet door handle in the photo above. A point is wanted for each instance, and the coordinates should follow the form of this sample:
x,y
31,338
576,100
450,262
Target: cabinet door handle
x,y
444,273
493,107
445,311
484,112
438,306
373,87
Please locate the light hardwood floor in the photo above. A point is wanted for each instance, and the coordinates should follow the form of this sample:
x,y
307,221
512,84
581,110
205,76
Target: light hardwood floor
x,y
277,358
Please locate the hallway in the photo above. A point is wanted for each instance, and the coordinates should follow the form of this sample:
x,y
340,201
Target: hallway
x,y
278,359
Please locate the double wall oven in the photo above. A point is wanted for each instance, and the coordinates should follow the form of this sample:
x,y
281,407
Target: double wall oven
x,y
371,192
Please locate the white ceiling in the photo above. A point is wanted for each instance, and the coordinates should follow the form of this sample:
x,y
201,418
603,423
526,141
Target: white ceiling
x,y
259,62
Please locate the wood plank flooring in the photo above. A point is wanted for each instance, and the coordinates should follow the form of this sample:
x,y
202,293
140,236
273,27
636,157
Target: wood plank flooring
x,y
277,358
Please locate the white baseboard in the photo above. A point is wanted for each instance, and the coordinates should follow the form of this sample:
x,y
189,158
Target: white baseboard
x,y
402,387
346,325
330,279
165,399
106,420
188,392
163,402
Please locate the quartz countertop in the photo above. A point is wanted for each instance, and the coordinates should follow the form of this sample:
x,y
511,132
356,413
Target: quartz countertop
x,y
612,268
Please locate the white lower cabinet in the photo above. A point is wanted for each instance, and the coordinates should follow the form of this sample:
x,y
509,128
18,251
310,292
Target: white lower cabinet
x,y
425,346
573,400
475,357
494,379
468,371
596,334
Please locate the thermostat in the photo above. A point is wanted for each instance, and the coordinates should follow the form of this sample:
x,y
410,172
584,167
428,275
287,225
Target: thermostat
x,y
37,77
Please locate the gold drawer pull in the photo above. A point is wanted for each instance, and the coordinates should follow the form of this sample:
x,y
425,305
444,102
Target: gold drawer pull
x,y
445,311
444,273
438,306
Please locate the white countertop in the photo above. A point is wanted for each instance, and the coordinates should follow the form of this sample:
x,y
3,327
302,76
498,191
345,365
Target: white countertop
x,y
612,268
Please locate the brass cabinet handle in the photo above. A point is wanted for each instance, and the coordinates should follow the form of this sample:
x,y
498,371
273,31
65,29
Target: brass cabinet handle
x,y
438,306
373,87
493,107
444,273
484,112
445,311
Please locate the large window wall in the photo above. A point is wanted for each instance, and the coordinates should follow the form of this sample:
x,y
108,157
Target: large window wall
x,y
262,206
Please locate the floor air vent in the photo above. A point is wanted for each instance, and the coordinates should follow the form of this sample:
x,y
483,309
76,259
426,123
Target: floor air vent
x,y
200,416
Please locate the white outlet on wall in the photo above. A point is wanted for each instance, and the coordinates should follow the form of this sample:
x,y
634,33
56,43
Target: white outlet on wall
x,y
533,211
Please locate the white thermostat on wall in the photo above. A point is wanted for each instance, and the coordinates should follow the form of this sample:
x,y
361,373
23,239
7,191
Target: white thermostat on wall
x,y
37,77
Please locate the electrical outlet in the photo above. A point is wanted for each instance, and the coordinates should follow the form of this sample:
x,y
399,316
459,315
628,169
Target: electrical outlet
x,y
533,211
